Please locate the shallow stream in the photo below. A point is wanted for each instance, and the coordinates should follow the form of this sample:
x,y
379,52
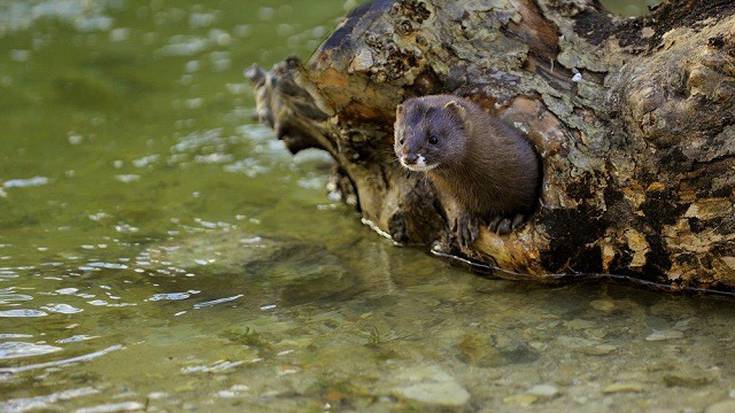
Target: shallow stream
x,y
160,251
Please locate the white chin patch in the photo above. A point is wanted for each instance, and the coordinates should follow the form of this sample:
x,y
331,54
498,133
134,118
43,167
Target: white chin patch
x,y
420,165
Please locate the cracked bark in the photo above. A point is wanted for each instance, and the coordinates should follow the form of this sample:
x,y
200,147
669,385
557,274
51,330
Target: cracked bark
x,y
634,119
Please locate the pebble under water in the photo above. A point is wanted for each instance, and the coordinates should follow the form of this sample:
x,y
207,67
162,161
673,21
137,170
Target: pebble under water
x,y
161,252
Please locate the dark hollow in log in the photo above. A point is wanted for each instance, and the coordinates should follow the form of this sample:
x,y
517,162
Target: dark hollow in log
x,y
634,119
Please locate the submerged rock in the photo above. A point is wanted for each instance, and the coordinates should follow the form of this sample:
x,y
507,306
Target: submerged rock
x,y
727,406
523,400
689,378
544,390
599,350
494,351
604,305
431,385
448,393
665,335
623,388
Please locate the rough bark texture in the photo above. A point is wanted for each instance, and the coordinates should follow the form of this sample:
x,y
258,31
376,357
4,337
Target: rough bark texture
x,y
634,119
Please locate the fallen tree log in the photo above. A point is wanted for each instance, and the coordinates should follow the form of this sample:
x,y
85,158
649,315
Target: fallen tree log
x,y
634,120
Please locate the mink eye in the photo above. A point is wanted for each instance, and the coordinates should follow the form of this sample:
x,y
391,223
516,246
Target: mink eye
x,y
433,140
400,141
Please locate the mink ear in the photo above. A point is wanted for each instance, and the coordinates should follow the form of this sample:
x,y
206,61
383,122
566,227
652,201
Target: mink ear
x,y
455,108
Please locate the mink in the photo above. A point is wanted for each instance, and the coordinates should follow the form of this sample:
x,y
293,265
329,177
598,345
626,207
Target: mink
x,y
485,167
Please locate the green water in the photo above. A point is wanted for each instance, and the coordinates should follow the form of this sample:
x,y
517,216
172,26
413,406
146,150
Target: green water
x,y
629,7
159,251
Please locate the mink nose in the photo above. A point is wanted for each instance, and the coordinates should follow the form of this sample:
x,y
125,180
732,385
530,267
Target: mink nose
x,y
410,158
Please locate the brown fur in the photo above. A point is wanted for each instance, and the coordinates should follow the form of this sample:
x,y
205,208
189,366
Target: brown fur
x,y
485,165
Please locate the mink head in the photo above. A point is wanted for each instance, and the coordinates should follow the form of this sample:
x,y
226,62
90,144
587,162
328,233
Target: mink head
x,y
430,134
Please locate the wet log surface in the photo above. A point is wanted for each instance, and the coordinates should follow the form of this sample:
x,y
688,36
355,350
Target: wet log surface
x,y
634,120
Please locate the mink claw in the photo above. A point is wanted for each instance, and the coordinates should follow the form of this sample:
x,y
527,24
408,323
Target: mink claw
x,y
493,225
504,227
467,230
518,221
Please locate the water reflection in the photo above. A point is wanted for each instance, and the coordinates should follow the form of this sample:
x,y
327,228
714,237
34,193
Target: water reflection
x,y
16,349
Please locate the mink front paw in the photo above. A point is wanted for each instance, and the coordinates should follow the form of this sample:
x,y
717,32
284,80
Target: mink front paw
x,y
467,228
504,226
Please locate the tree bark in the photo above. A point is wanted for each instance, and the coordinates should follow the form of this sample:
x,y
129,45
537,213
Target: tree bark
x,y
634,120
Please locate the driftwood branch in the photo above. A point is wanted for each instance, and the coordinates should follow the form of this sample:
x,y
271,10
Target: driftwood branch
x,y
634,119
